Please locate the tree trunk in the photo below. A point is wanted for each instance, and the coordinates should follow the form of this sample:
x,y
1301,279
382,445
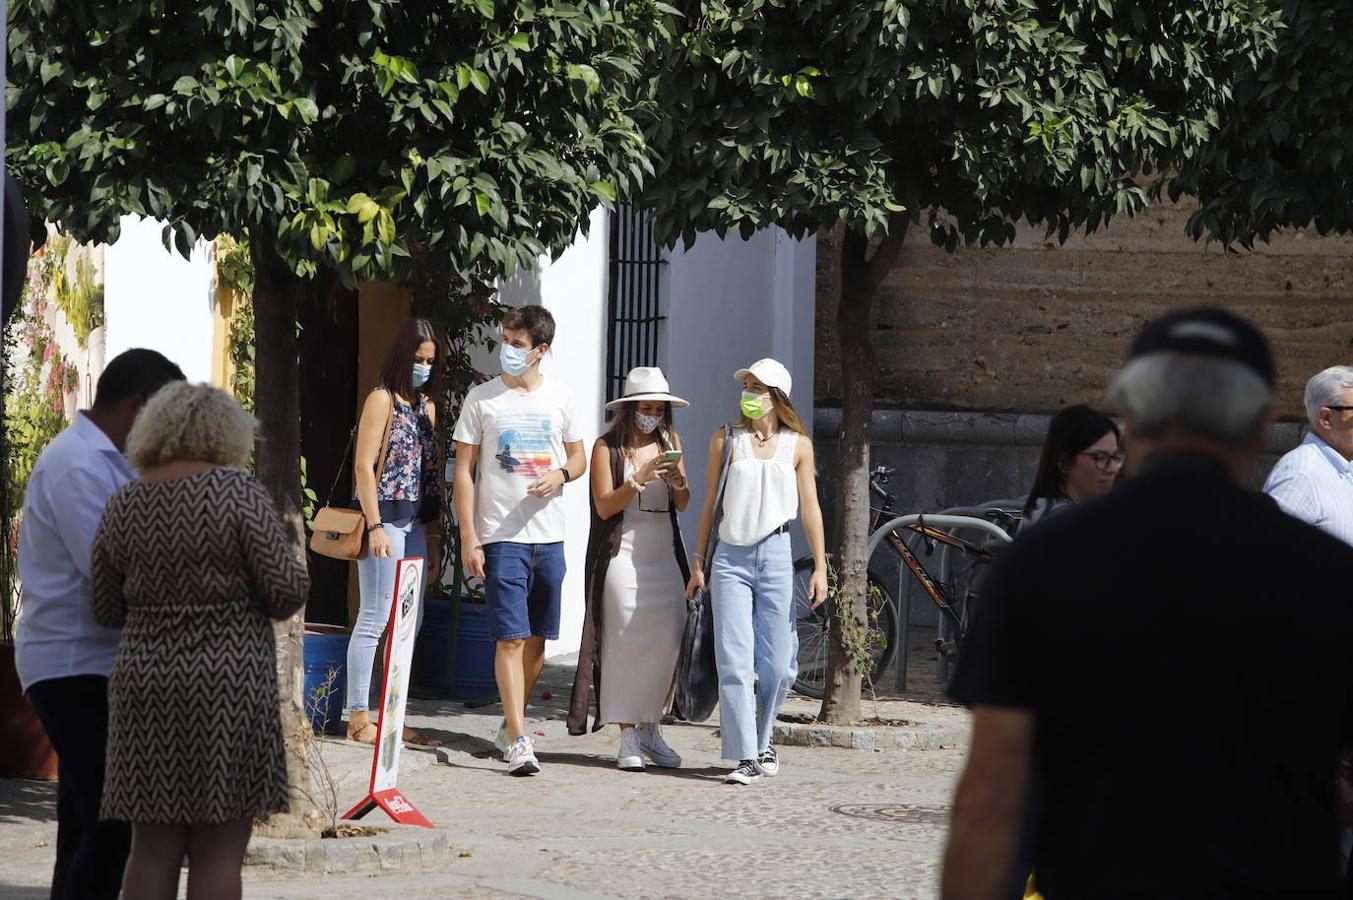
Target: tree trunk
x,y
328,392
277,292
861,275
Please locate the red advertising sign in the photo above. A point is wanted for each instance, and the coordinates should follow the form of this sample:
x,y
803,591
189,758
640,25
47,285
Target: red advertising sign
x,y
399,641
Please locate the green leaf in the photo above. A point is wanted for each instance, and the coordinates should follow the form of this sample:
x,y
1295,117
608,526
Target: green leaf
x,y
480,80
482,203
604,189
485,8
154,101
344,168
308,109
586,74
520,41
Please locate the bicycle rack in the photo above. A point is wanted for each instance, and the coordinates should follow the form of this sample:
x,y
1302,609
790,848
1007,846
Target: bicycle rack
x,y
953,521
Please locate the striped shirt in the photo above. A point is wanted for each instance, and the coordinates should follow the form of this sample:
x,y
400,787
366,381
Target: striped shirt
x,y
1314,483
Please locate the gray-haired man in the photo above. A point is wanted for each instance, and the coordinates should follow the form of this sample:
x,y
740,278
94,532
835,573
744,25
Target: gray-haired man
x,y
1314,482
1130,658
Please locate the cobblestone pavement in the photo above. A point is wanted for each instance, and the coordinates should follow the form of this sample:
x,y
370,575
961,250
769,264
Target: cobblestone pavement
x,y
835,823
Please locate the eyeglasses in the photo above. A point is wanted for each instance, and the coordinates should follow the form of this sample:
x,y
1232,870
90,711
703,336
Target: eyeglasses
x,y
1105,461
1339,408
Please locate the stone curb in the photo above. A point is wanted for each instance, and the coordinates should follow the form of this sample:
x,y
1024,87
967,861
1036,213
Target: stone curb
x,y
871,737
403,848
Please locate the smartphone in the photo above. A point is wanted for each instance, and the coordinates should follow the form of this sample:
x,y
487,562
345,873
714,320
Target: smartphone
x,y
672,457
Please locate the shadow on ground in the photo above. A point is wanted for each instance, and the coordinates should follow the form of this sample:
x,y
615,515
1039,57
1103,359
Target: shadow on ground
x,y
21,892
22,801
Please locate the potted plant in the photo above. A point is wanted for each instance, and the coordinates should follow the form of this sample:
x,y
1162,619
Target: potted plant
x,y
36,379
25,753
453,656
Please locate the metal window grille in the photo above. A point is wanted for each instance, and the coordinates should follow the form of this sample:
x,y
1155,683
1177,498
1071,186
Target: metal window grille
x,y
634,313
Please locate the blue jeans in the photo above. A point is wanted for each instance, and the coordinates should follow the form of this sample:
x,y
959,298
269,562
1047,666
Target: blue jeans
x,y
522,588
754,640
376,584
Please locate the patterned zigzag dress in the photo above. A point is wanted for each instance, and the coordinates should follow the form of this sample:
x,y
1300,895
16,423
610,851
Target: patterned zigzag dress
x,y
193,570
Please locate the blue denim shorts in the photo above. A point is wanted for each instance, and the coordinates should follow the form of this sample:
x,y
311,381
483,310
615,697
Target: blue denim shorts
x,y
522,584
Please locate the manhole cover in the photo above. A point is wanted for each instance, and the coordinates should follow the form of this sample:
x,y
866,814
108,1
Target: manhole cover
x,y
911,815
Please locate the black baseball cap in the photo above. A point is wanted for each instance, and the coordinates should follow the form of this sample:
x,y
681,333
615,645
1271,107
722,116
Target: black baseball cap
x,y
1207,331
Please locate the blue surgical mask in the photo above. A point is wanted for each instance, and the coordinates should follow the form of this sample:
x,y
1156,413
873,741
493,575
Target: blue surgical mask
x,y
421,373
514,360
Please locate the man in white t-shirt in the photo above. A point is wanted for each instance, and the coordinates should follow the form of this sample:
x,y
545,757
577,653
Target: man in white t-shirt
x,y
520,429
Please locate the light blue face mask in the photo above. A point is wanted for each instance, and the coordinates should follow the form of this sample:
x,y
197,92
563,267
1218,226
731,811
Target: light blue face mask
x,y
514,360
421,373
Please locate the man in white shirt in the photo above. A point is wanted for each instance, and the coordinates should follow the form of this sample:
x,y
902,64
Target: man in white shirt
x,y
1314,482
521,430
62,655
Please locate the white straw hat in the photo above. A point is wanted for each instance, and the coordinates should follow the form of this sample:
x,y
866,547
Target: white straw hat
x,y
769,372
646,383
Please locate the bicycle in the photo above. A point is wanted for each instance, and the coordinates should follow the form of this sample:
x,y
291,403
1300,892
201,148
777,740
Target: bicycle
x,y
882,607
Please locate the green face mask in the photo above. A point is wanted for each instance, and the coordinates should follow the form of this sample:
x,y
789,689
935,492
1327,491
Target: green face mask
x,y
754,406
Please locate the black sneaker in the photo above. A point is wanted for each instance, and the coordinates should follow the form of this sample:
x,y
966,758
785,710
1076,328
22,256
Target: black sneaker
x,y
768,763
745,773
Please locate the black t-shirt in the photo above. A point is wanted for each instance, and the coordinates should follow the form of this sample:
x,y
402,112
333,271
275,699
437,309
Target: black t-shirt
x,y
1186,650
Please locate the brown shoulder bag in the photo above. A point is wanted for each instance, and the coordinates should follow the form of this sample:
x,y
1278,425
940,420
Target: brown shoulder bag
x,y
340,531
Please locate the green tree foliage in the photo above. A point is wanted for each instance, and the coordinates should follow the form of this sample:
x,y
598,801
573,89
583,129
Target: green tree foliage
x,y
962,117
341,130
1284,154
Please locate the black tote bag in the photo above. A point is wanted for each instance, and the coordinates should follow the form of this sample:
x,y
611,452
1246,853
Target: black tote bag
x,y
697,675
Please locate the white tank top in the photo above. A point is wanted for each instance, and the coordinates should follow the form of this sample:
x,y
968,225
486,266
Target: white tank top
x,y
762,494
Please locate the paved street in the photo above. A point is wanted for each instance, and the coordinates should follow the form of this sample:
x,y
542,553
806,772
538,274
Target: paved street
x,y
835,823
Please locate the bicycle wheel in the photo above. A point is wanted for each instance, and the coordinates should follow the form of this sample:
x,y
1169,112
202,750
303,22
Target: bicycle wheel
x,y
811,626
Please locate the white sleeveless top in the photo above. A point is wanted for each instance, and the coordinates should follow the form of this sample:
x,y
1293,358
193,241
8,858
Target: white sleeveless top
x,y
762,494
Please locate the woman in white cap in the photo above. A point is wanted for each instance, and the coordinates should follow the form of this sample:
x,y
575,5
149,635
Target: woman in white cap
x,y
636,568
770,477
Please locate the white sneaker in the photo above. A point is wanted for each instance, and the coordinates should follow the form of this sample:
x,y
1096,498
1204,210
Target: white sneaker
x,y
745,773
521,757
630,755
502,741
654,747
768,763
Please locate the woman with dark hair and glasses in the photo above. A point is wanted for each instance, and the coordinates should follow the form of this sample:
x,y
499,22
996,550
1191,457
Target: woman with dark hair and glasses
x,y
1082,456
401,502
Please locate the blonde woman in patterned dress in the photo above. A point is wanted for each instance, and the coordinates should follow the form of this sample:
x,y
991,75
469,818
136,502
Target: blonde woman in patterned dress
x,y
193,562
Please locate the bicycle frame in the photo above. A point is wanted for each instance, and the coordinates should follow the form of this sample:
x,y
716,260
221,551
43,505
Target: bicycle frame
x,y
918,569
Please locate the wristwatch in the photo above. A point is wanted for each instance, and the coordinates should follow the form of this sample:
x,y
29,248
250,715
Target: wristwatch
x,y
567,476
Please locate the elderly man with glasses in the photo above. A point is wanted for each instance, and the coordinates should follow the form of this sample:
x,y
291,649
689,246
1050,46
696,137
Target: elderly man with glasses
x,y
1314,482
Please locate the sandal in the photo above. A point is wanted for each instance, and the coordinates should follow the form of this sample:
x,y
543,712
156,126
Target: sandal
x,y
418,739
355,735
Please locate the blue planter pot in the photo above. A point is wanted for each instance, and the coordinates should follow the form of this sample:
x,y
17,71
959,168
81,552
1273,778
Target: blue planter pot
x,y
326,649
474,650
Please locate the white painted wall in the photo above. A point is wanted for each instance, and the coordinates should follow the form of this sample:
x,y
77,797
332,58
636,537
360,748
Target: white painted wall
x,y
729,303
573,289
157,299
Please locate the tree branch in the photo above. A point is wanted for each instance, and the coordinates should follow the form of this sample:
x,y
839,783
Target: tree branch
x,y
885,255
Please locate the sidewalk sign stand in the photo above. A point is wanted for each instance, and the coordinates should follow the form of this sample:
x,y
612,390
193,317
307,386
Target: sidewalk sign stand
x,y
399,641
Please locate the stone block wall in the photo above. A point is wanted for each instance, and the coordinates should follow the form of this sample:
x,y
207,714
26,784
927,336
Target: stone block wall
x,y
1035,326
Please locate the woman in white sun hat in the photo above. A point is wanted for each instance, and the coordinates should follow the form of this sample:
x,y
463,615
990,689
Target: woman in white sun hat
x,y
771,476
636,569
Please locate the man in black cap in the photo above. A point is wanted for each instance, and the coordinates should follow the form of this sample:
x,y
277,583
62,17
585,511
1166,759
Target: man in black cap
x,y
1168,664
